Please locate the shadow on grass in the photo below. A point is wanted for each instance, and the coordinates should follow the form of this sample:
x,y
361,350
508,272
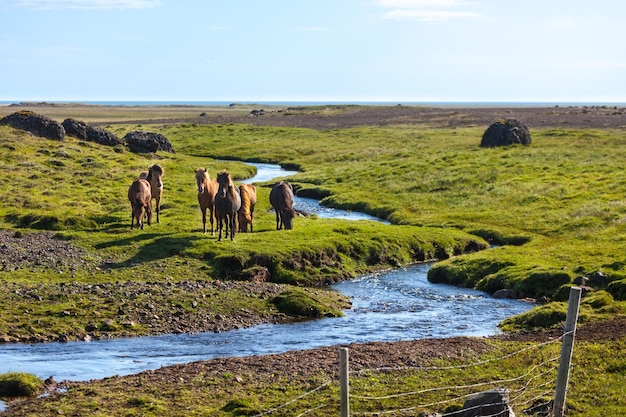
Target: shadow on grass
x,y
156,247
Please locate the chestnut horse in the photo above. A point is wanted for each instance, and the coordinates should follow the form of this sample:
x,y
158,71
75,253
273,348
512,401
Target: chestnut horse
x,y
140,201
154,176
207,188
246,212
281,198
227,204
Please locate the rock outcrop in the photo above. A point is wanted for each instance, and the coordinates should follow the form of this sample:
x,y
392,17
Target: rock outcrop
x,y
83,131
504,133
140,141
34,123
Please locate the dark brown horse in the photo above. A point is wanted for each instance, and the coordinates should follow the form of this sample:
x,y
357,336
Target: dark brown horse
x,y
140,201
227,204
207,188
281,198
246,212
154,175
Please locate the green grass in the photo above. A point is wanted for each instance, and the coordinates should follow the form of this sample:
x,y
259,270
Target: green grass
x,y
596,388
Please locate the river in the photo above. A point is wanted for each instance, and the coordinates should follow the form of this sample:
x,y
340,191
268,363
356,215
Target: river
x,y
396,305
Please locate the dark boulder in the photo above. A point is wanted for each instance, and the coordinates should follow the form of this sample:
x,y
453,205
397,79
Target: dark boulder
x,y
140,141
34,123
504,133
493,402
83,131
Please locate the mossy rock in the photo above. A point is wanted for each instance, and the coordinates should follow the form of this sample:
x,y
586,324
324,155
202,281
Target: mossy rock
x,y
19,384
295,302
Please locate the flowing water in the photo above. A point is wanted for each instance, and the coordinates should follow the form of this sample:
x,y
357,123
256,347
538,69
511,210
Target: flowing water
x,y
396,305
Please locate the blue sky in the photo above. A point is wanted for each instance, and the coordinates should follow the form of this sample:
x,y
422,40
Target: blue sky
x,y
313,50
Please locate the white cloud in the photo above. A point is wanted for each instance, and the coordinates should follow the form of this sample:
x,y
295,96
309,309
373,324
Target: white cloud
x,y
86,4
427,10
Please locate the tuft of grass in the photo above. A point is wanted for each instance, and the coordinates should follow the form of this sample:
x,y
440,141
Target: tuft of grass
x,y
19,384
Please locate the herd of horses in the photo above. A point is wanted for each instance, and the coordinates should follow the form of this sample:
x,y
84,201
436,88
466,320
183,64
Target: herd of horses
x,y
229,205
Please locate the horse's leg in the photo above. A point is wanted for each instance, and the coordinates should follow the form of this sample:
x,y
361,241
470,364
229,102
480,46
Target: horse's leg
x,y
140,218
158,208
149,212
212,215
233,221
277,220
203,219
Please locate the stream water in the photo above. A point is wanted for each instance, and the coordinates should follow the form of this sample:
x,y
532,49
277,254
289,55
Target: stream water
x,y
396,305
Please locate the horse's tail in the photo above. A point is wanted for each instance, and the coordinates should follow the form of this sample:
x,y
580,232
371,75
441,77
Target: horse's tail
x,y
245,203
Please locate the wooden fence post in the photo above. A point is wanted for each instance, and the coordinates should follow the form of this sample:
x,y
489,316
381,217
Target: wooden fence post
x,y
344,382
567,348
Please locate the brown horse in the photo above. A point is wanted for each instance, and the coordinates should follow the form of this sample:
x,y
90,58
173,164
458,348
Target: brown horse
x,y
246,212
154,176
207,188
227,203
281,198
140,201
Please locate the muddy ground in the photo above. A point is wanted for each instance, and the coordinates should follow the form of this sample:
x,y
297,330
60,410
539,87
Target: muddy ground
x,y
341,117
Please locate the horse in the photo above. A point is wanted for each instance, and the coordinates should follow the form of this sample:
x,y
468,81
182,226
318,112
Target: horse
x,y
154,176
227,204
207,188
281,198
246,212
140,199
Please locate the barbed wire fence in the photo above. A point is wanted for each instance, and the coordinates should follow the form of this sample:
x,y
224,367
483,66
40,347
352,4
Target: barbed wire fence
x,y
532,380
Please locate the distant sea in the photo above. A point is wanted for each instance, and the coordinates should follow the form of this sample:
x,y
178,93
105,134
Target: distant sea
x,y
321,103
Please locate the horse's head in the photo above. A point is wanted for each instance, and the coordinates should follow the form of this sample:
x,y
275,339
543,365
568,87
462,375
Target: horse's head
x,y
201,179
224,183
155,173
288,216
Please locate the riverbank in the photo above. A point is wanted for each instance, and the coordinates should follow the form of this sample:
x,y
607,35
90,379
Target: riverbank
x,y
199,386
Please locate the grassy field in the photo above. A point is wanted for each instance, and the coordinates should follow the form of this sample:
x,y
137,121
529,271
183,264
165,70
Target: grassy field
x,y
555,210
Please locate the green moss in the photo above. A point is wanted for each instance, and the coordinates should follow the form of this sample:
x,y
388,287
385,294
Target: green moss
x,y
539,317
296,302
598,299
618,289
18,384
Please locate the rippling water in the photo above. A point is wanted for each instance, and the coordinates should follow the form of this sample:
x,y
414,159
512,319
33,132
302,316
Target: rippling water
x,y
391,306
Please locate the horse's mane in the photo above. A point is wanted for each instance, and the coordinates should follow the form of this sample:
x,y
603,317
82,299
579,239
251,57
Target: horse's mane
x,y
245,201
230,180
203,174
